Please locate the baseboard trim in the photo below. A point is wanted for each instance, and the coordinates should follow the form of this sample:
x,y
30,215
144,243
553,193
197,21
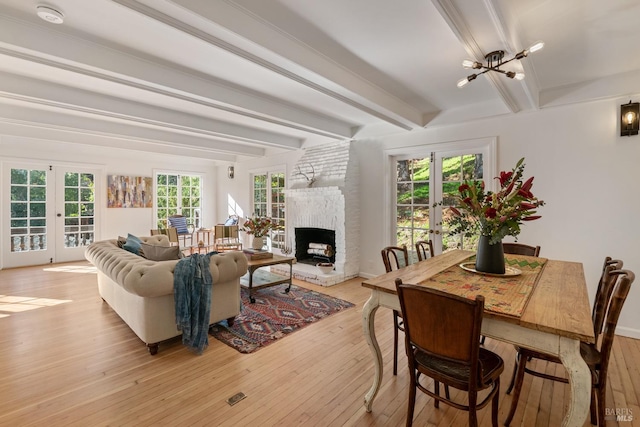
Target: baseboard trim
x,y
628,332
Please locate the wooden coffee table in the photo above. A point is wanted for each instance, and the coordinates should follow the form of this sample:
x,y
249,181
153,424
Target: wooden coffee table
x,y
267,279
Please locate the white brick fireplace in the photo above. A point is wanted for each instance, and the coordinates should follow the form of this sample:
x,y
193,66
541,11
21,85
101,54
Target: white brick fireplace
x,y
331,203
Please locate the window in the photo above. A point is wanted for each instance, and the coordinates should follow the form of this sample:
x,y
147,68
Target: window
x,y
178,194
268,201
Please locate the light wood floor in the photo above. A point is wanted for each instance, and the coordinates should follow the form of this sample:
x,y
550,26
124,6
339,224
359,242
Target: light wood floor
x,y
75,363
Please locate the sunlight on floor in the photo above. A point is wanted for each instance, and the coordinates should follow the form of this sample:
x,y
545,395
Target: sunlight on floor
x,y
14,304
87,269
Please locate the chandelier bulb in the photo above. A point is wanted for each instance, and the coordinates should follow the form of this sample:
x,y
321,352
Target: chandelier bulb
x,y
536,47
519,76
462,83
467,63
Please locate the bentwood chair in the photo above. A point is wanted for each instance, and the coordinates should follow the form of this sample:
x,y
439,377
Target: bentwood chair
x,y
395,257
424,248
615,286
442,340
521,249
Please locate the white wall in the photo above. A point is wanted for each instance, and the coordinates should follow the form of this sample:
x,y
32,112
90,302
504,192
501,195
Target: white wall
x,y
116,221
586,173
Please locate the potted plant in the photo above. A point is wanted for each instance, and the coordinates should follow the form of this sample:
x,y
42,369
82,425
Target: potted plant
x,y
259,227
493,215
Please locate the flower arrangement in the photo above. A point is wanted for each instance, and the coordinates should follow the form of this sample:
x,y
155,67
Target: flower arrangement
x,y
258,226
494,215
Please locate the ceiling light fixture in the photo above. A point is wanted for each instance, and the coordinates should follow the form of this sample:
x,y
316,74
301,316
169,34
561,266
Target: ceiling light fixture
x,y
495,61
50,15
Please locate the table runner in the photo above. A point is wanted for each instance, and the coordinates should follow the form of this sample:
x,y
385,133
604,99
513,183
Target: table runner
x,y
504,295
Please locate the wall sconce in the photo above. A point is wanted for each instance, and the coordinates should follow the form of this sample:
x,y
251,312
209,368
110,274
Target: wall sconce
x,y
230,172
629,118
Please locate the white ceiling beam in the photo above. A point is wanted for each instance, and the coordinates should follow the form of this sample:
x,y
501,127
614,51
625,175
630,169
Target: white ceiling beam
x,y
56,95
47,118
36,44
297,61
77,140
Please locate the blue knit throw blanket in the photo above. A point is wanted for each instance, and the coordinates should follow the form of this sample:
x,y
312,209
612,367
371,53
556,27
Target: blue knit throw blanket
x,y
192,286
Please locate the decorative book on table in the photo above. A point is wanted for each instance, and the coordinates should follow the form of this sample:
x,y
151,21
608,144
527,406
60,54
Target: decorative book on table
x,y
253,254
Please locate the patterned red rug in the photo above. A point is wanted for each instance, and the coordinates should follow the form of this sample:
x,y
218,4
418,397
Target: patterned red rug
x,y
274,315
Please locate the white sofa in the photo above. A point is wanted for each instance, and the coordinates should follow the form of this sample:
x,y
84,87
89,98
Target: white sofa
x,y
141,291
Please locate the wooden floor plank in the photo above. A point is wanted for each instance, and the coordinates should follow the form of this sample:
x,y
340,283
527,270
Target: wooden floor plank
x,y
77,364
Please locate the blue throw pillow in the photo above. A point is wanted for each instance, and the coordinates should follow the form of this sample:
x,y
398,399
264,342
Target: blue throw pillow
x,y
231,221
132,244
180,224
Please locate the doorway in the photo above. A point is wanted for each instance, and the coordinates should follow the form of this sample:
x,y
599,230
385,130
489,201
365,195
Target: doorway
x,y
423,177
49,213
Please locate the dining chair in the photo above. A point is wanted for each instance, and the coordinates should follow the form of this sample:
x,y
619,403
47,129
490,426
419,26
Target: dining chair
x,y
521,249
442,340
424,249
395,257
180,224
615,288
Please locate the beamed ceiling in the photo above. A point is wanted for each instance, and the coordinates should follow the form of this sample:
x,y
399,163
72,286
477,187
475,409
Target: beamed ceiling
x,y
234,79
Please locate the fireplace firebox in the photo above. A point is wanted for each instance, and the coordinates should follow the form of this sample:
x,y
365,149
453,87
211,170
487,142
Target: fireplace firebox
x,y
314,245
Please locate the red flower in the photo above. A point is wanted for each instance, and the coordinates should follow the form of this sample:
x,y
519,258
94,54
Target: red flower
x,y
463,187
527,206
490,213
455,211
531,218
505,177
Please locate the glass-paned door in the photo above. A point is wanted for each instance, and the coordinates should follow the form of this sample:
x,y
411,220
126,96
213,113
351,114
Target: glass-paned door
x,y
424,182
269,201
455,170
30,215
76,210
178,194
412,200
50,214
277,210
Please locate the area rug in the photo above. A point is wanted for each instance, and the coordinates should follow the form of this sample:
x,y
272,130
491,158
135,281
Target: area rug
x,y
274,315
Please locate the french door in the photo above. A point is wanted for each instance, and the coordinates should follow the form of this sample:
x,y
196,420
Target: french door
x,y
424,178
49,213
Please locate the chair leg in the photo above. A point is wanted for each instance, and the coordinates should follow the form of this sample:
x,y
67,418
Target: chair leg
x,y
513,376
395,342
602,400
522,363
494,404
436,390
412,398
593,407
473,417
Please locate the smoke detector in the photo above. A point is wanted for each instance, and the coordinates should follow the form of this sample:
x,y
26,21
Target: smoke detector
x,y
50,15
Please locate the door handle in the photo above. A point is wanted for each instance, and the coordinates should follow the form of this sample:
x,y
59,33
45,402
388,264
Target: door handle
x,y
59,215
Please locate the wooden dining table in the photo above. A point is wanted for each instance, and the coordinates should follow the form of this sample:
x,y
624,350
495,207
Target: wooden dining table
x,y
557,316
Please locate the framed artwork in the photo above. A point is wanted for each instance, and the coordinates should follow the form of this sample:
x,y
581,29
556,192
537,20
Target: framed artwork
x,y
129,192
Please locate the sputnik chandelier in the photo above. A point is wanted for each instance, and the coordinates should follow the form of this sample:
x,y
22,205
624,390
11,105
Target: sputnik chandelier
x,y
495,61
